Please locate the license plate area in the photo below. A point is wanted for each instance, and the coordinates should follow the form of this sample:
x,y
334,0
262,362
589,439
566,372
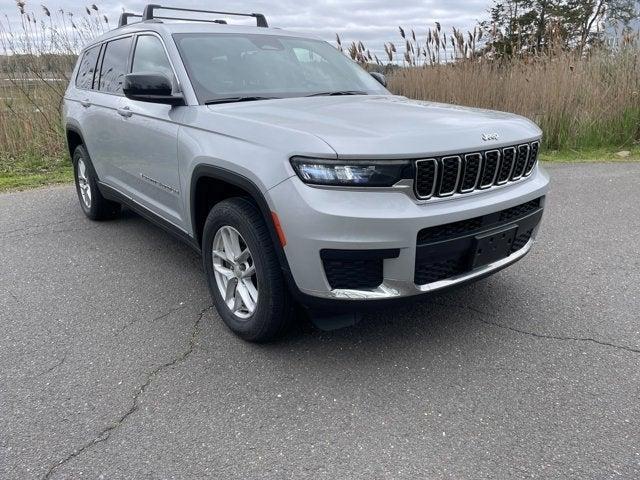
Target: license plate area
x,y
492,246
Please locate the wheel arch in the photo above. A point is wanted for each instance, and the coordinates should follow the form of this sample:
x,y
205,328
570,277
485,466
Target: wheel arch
x,y
211,184
74,138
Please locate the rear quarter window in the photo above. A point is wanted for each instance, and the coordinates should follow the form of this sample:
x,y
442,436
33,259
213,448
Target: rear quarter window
x,y
114,65
87,68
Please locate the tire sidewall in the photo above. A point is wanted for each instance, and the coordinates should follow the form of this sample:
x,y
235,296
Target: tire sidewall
x,y
258,323
81,153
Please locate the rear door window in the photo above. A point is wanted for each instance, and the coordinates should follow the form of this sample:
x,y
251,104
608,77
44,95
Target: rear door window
x,y
87,68
114,65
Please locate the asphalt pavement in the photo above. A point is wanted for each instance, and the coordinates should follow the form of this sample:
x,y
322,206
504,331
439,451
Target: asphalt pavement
x,y
114,366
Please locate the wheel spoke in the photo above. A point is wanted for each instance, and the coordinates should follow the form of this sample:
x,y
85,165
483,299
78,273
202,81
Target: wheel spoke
x,y
249,272
246,297
231,289
243,256
235,245
228,245
253,292
237,302
223,271
220,254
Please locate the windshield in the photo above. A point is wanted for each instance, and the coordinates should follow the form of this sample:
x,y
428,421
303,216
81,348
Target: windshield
x,y
251,67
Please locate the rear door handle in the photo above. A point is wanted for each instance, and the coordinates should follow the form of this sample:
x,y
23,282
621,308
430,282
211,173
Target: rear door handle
x,y
125,112
85,103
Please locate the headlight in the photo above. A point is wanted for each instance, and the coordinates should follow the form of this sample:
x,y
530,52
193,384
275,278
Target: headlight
x,y
354,173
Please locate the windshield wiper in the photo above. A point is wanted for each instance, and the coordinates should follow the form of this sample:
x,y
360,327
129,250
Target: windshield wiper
x,y
343,92
237,99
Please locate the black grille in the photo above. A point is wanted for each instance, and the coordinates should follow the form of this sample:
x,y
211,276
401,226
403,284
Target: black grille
x,y
472,165
450,250
450,230
533,157
522,158
444,176
355,269
519,211
353,274
489,168
521,240
426,176
508,157
476,224
433,271
450,174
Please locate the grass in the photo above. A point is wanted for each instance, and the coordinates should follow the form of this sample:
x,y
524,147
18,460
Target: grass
x,y
590,155
33,170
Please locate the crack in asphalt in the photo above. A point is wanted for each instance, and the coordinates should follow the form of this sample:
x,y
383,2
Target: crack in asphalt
x,y
53,367
47,232
12,295
535,334
159,317
43,225
105,433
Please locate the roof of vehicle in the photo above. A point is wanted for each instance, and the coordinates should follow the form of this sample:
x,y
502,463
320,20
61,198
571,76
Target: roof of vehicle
x,y
167,28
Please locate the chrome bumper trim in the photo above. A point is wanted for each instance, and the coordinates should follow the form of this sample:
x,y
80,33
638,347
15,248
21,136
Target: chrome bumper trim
x,y
394,289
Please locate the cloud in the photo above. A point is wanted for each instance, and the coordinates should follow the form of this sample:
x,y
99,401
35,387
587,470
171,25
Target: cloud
x,y
370,21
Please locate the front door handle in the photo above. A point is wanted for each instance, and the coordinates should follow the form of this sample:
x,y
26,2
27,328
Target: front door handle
x,y
125,112
85,103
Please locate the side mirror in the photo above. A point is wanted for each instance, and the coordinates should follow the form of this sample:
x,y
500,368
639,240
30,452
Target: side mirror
x,y
150,87
380,78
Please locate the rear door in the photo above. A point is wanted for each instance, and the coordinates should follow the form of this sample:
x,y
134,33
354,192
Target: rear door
x,y
149,138
84,107
103,123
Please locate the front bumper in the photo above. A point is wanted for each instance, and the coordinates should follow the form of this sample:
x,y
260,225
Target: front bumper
x,y
317,219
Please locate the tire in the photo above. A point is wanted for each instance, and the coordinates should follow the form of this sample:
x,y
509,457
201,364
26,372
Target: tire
x,y
273,310
93,204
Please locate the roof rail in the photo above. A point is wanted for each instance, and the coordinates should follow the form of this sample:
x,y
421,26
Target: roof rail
x,y
149,10
124,18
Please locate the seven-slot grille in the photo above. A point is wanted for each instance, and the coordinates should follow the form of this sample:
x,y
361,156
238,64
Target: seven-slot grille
x,y
446,176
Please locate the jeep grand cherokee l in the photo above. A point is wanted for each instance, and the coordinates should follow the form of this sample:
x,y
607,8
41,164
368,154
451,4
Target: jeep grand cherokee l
x,y
294,172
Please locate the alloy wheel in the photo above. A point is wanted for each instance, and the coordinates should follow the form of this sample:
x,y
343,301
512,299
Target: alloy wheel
x,y
83,183
235,272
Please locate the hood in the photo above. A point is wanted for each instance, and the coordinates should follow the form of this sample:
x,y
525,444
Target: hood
x,y
387,126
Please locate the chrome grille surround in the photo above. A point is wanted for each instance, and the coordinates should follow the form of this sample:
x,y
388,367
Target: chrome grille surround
x,y
487,179
520,162
452,174
506,165
469,158
423,177
534,151
446,175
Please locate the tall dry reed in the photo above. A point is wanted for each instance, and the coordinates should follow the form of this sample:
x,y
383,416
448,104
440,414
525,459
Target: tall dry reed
x,y
37,52
581,101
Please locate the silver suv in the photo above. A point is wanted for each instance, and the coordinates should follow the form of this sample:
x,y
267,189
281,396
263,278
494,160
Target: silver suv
x,y
299,177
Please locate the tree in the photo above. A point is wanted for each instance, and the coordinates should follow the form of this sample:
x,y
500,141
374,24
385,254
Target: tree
x,y
519,27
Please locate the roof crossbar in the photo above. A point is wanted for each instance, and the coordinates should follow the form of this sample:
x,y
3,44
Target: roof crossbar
x,y
125,16
149,10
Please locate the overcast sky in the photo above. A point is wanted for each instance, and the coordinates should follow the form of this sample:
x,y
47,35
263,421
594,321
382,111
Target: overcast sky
x,y
371,21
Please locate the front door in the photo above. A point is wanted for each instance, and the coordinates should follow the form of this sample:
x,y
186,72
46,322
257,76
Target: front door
x,y
149,133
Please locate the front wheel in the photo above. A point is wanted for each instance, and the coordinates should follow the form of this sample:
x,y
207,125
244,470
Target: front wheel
x,y
243,272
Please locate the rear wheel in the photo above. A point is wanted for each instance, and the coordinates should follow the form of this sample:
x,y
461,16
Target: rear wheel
x,y
243,272
93,204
